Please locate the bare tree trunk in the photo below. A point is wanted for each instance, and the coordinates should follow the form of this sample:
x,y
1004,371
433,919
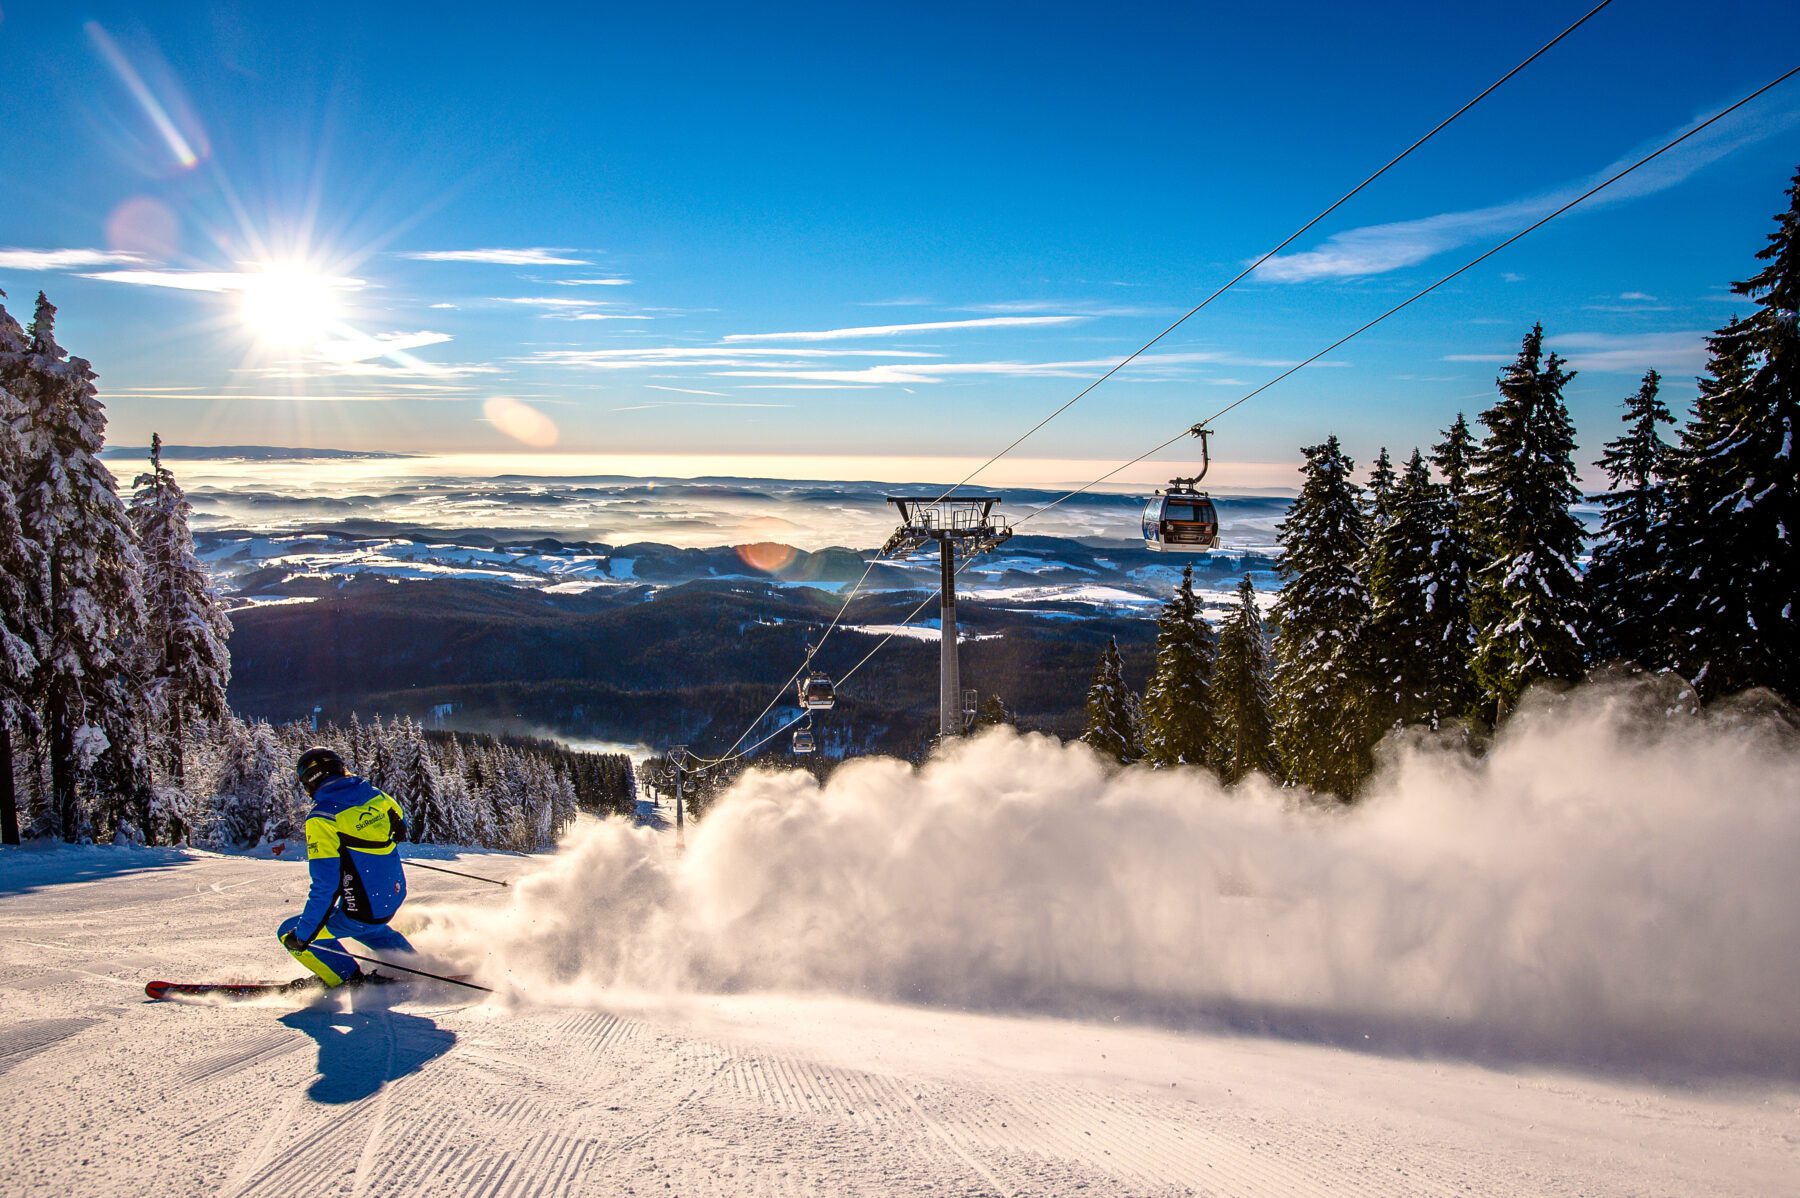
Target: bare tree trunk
x,y
9,806
62,772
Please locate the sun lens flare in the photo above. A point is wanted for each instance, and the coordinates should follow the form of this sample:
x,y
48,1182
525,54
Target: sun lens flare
x,y
520,421
289,304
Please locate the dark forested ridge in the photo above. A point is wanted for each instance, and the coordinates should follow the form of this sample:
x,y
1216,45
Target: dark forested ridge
x,y
684,663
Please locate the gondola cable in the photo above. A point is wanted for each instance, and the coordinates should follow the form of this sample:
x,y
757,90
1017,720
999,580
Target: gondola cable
x,y
730,753
1249,395
1421,294
1287,241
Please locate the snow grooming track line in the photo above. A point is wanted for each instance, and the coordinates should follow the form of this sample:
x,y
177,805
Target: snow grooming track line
x,y
600,1031
1004,1126
792,1087
421,1156
40,979
550,1165
298,1168
453,1151
810,1089
27,1039
384,1098
1369,1166
1142,1144
252,1050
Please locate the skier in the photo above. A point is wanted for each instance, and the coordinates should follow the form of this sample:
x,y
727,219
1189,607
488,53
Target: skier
x,y
352,850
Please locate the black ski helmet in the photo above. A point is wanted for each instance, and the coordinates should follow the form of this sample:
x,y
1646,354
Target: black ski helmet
x,y
317,764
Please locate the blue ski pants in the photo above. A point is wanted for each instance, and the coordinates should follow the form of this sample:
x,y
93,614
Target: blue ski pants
x,y
324,957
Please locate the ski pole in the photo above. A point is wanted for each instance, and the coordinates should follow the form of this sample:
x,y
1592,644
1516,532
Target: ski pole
x,y
459,873
436,977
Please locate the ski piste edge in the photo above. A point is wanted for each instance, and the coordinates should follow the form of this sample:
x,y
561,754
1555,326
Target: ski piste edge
x,y
160,990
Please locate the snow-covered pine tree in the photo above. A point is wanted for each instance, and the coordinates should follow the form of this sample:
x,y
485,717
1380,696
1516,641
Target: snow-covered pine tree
x,y
993,712
1111,716
186,665
1404,653
522,806
24,578
378,754
1454,457
1321,705
1735,499
253,797
354,750
563,805
1242,703
1382,481
464,821
1527,604
1624,595
1178,716
71,506
415,785
1452,576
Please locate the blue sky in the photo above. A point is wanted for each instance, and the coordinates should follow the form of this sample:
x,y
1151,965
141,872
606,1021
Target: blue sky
x,y
732,232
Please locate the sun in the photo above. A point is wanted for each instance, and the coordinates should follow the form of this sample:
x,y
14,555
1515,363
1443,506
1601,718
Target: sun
x,y
290,305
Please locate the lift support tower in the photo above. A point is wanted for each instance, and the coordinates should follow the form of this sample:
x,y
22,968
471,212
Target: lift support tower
x,y
968,522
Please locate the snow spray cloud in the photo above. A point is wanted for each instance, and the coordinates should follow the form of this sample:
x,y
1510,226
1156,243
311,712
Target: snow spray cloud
x,y
1615,881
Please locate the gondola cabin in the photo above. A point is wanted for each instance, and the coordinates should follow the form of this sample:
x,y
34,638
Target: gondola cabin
x,y
817,693
803,741
1180,520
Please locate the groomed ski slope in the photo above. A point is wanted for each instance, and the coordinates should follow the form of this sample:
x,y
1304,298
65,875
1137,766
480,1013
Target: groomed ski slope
x,y
428,1092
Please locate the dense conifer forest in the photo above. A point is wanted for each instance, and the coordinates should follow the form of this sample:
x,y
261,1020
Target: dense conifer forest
x,y
1435,595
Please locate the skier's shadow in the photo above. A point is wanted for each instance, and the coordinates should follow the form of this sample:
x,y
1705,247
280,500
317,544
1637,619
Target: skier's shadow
x,y
362,1051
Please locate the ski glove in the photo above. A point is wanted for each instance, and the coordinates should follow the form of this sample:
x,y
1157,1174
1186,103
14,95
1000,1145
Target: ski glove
x,y
294,944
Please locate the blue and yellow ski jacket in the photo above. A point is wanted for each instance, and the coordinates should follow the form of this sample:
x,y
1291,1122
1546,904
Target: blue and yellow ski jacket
x,y
352,836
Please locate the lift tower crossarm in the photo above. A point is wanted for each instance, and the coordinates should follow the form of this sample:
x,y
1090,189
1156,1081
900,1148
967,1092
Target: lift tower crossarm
x,y
966,519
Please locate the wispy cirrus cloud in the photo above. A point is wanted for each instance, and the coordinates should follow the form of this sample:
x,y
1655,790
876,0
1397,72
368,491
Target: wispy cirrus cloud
x,y
380,345
1630,301
209,280
548,301
666,356
35,260
900,330
1672,352
1149,366
403,366
570,307
1378,249
1077,307
528,256
299,395
696,403
798,367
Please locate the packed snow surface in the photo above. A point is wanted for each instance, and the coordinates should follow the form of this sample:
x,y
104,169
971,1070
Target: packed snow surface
x,y
1566,967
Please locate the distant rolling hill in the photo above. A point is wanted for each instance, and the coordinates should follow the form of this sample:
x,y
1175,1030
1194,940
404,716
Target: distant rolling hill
x,y
248,453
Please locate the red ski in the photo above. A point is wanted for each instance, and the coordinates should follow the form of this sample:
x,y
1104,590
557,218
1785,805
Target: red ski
x,y
161,990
